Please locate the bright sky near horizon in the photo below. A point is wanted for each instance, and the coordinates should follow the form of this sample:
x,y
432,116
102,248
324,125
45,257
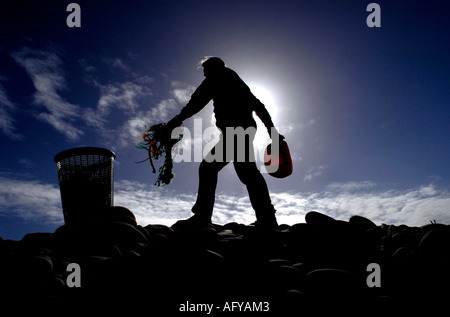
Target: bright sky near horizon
x,y
365,110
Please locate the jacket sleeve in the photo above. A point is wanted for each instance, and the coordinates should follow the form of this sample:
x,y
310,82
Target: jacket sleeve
x,y
199,99
261,111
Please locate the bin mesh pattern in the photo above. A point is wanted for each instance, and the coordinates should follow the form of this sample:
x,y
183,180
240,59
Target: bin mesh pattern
x,y
85,180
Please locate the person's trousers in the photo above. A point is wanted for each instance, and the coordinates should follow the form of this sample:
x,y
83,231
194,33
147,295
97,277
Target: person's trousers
x,y
233,148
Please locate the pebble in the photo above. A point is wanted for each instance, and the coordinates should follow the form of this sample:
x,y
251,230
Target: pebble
x,y
319,259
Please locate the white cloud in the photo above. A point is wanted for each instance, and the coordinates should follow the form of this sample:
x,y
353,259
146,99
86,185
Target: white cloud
x,y
350,186
163,205
86,66
44,69
30,200
117,63
127,97
413,207
7,122
181,91
143,80
152,204
314,171
34,200
124,96
132,128
296,128
162,112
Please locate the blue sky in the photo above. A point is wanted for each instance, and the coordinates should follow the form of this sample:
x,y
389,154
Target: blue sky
x,y
365,110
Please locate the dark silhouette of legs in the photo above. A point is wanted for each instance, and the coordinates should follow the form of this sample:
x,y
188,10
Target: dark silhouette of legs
x,y
248,174
206,195
257,189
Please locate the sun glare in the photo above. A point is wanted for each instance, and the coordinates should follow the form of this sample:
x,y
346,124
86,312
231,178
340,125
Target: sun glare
x,y
265,96
262,139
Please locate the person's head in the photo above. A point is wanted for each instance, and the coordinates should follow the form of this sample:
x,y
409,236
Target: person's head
x,y
212,65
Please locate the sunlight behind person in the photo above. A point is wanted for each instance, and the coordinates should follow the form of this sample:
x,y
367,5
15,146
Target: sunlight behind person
x,y
262,139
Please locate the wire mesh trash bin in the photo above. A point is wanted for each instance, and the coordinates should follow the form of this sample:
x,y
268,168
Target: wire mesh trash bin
x,y
86,182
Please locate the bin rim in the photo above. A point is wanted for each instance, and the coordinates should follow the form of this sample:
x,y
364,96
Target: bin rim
x,y
83,151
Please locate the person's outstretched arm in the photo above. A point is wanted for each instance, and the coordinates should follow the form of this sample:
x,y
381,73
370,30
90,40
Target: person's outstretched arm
x,y
199,99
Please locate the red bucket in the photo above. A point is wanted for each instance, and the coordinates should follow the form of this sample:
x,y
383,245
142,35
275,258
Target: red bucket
x,y
278,162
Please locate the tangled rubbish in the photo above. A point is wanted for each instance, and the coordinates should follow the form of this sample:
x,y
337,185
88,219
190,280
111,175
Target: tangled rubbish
x,y
158,140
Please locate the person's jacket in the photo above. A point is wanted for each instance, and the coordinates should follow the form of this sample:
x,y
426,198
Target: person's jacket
x,y
234,103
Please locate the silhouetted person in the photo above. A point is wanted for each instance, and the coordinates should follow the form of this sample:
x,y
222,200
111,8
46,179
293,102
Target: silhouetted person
x,y
234,104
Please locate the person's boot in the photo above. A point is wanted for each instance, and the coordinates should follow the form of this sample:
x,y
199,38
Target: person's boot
x,y
194,222
268,222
